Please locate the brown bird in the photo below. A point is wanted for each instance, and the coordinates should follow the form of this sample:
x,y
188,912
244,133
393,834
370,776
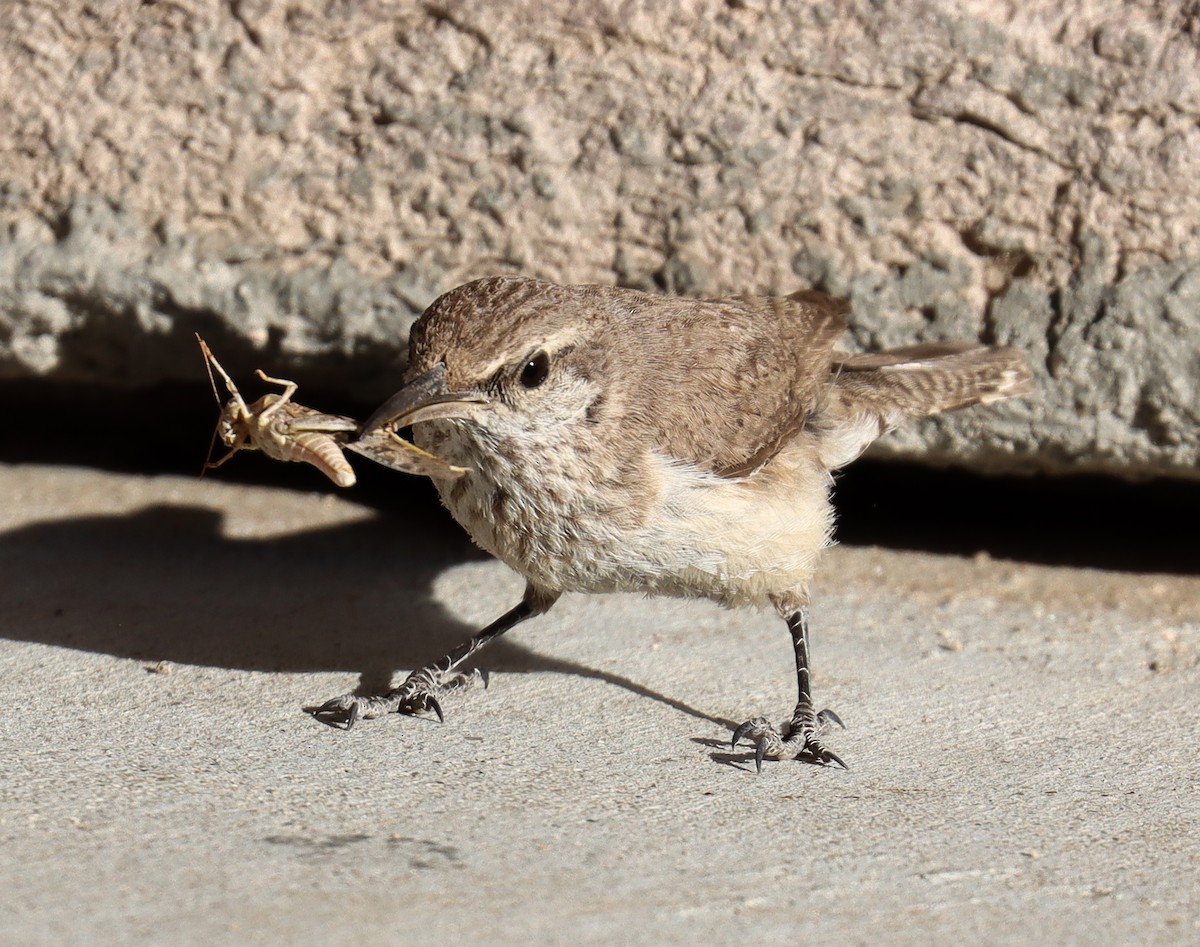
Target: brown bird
x,y
622,441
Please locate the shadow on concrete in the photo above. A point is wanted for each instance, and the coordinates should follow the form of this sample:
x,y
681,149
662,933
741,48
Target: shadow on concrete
x,y
164,584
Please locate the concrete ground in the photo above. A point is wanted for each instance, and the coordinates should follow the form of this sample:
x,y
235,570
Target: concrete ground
x,y
1023,741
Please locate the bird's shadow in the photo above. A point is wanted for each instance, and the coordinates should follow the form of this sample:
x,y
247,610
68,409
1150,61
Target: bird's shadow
x,y
166,583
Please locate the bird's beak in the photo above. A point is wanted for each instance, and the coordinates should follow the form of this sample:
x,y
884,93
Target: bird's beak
x,y
425,398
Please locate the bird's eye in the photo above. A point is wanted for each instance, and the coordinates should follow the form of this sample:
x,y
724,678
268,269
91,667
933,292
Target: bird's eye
x,y
535,370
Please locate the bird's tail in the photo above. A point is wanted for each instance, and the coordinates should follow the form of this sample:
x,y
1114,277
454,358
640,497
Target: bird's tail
x,y
926,379
871,394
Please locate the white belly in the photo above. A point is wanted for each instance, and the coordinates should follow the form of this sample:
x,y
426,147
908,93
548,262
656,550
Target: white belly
x,y
675,531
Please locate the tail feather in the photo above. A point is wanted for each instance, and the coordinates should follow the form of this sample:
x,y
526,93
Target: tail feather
x,y
870,394
927,379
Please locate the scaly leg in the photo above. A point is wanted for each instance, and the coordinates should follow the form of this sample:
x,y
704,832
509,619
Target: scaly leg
x,y
418,693
801,735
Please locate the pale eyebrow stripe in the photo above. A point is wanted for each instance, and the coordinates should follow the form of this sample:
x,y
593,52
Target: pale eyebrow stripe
x,y
551,344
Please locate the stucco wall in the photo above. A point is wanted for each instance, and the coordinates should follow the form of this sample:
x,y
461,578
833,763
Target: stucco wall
x,y
299,180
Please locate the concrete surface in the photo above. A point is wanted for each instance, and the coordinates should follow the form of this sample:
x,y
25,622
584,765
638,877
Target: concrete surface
x,y
1023,742
297,182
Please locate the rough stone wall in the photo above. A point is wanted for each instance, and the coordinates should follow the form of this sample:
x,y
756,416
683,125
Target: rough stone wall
x,y
298,180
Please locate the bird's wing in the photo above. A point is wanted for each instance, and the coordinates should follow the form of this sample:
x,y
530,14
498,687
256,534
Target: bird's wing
x,y
758,367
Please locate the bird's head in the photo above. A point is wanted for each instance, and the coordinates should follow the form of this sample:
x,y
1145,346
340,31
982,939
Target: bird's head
x,y
508,359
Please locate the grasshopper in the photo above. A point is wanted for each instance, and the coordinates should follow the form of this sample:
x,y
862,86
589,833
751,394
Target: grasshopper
x,y
285,430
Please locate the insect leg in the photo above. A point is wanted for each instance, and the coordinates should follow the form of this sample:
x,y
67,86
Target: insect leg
x,y
210,362
289,389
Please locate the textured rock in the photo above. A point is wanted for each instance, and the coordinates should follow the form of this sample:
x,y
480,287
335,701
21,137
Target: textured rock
x,y
299,180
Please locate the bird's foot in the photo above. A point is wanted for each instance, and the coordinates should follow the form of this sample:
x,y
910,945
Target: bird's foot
x,y
800,739
417,695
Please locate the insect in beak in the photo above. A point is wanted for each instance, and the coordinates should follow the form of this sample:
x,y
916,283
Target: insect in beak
x,y
285,430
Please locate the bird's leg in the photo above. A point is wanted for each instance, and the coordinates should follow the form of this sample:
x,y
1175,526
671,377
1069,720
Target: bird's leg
x,y
418,693
801,736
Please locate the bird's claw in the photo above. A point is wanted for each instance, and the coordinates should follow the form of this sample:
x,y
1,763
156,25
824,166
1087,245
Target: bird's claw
x,y
351,708
745,728
800,741
416,696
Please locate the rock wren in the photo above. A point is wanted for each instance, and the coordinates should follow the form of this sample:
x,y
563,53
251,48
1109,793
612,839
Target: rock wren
x,y
623,441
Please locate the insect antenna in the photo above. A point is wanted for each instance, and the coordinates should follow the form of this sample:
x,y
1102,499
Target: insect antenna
x,y
212,442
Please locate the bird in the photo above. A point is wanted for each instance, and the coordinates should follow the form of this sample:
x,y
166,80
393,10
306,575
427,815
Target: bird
x,y
625,441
